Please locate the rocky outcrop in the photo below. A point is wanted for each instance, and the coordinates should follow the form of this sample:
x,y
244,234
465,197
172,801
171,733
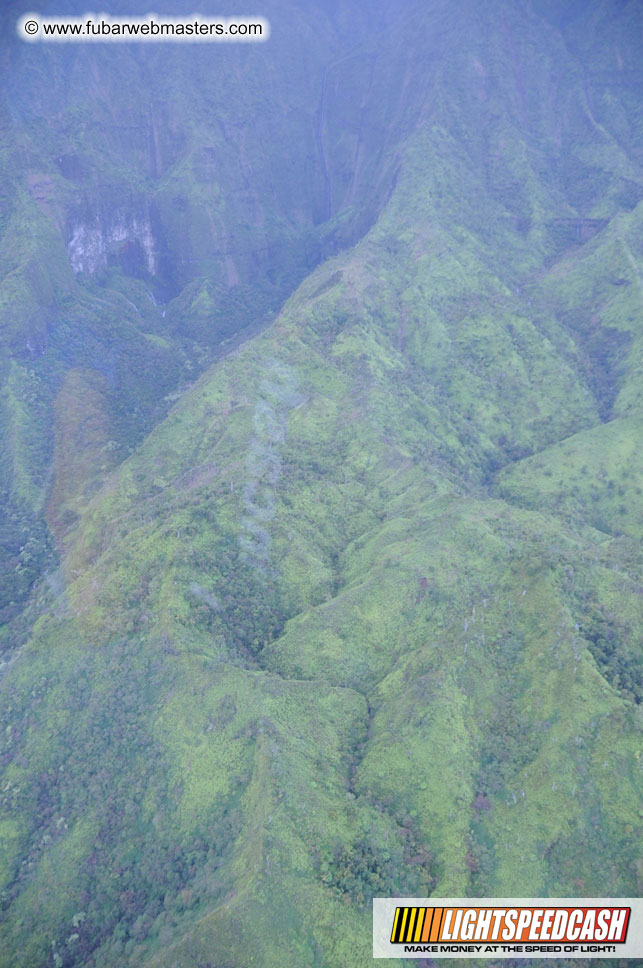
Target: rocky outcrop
x,y
122,237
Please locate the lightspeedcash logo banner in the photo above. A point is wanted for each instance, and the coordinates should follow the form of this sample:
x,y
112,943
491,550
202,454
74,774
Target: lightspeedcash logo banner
x,y
508,928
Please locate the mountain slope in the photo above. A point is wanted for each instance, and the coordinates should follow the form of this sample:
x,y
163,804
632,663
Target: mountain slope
x,y
156,206
353,620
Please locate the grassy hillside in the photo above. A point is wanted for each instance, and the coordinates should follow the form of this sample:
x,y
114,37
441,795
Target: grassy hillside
x,y
155,207
361,616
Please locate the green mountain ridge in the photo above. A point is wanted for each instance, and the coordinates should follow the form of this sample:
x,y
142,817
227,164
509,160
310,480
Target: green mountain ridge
x,y
139,235
361,615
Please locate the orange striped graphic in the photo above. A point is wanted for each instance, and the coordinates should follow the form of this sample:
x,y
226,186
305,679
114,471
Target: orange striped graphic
x,y
428,921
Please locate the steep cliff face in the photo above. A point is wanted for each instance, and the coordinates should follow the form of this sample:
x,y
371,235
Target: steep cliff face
x,y
155,203
121,237
359,615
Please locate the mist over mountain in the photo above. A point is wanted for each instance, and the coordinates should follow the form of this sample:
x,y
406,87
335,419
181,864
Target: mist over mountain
x,y
320,476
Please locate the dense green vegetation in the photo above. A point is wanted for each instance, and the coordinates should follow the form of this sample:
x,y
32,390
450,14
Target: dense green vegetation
x,y
145,235
351,603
